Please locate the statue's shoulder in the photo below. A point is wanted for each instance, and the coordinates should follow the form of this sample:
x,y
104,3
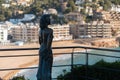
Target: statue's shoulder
x,y
51,30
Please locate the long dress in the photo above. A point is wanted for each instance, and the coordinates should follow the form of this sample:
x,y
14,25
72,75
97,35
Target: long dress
x,y
45,55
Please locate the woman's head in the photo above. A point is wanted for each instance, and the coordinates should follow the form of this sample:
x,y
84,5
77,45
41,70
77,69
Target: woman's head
x,y
44,21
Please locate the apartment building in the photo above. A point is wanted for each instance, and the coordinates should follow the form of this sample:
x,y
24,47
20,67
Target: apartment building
x,y
26,33
95,29
61,32
3,34
115,8
113,18
99,30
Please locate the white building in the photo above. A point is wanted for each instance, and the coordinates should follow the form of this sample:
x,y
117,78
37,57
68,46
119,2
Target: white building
x,y
61,32
6,5
115,8
27,17
50,11
3,34
77,2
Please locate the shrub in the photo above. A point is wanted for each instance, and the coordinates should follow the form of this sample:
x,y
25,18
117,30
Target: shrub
x,y
100,71
19,78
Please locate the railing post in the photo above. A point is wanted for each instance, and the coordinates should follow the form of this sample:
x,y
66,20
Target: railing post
x,y
72,62
86,64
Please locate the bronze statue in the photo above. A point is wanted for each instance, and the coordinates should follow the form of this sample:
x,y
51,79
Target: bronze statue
x,y
45,51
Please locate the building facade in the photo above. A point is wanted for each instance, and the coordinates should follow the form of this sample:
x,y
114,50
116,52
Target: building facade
x,y
3,35
61,32
81,1
30,33
115,8
91,30
25,33
113,18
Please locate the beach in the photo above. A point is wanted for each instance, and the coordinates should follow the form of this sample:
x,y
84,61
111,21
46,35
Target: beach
x,y
21,62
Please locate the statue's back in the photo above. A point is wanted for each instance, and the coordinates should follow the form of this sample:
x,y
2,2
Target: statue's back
x,y
46,57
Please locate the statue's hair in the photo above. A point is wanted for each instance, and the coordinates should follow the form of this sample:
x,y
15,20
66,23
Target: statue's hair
x,y
44,21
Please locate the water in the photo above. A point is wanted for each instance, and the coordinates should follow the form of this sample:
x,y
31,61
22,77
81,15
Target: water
x,y
66,60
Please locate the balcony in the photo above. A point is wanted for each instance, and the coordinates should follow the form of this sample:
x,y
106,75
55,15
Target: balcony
x,y
86,55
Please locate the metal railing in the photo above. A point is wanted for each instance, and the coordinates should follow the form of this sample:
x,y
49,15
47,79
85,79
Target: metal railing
x,y
86,53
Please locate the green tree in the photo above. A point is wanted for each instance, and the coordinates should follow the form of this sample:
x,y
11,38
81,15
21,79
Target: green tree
x,y
116,2
8,13
101,2
71,5
88,18
83,11
2,17
68,10
105,7
27,9
1,2
94,6
94,0
105,3
21,7
36,8
108,4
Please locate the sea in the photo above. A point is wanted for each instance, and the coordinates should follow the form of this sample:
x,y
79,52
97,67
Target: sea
x,y
66,60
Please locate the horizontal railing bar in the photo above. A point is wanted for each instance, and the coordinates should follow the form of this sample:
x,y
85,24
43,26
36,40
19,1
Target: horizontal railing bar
x,y
17,68
97,54
85,47
103,49
33,55
18,55
35,67
30,55
19,49
104,55
68,65
59,54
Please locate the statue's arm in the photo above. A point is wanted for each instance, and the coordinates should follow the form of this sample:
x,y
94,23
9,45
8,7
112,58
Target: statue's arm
x,y
49,39
40,37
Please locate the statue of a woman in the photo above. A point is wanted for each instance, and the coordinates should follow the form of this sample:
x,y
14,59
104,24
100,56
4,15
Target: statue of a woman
x,y
45,51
